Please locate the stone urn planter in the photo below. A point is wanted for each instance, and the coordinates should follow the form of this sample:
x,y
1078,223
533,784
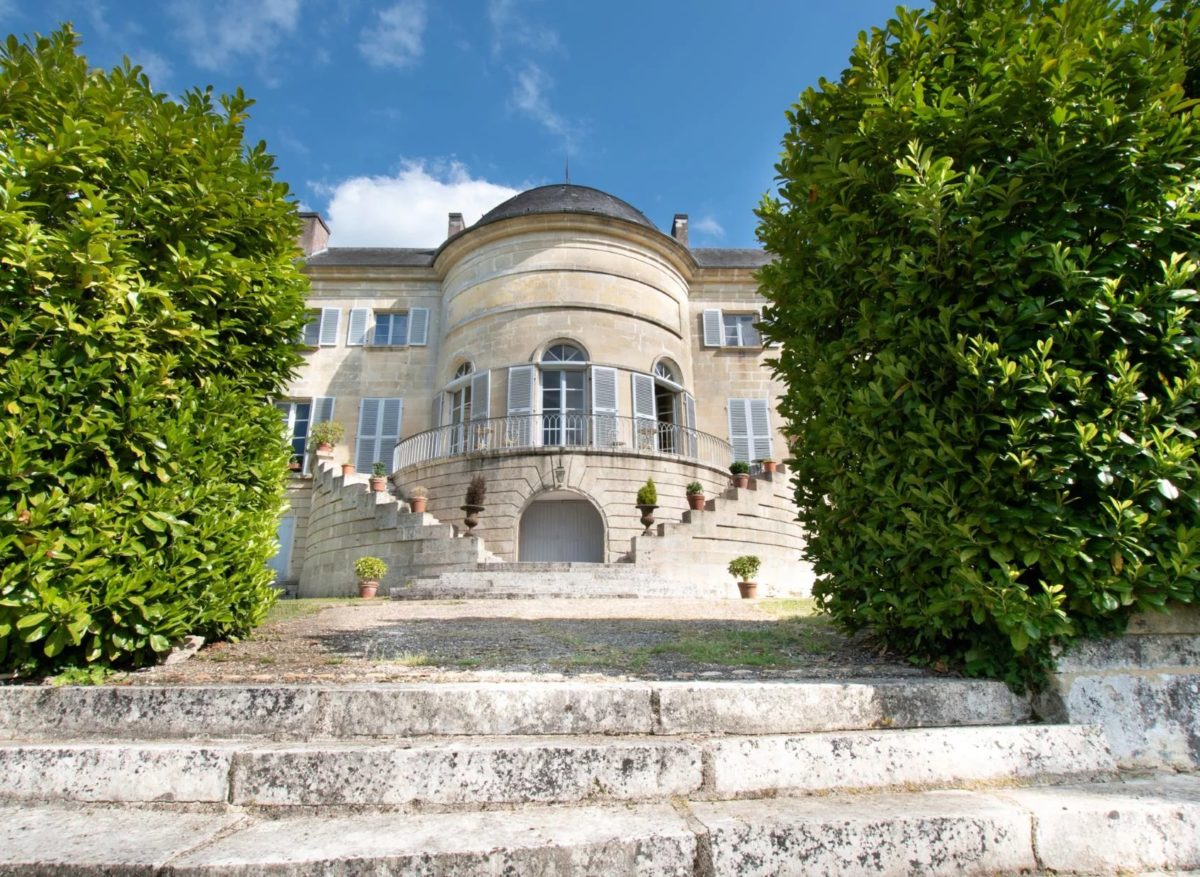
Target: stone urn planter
x,y
647,511
471,521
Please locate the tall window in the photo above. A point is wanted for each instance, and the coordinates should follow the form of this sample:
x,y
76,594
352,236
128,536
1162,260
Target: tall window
x,y
667,405
564,400
460,407
297,417
391,329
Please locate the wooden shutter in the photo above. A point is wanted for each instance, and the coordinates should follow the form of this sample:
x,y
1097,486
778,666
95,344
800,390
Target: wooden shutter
x,y
760,429
329,326
739,429
691,440
435,423
418,326
322,409
356,331
604,406
645,421
714,327
520,406
481,395
378,431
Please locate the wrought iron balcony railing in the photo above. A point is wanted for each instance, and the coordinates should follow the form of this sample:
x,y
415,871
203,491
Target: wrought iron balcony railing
x,y
601,432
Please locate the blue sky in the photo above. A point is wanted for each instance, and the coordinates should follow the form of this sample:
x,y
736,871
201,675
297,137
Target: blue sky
x,y
387,115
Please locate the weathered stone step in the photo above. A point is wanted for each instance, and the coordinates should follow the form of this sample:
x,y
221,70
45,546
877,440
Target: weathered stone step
x,y
511,770
1109,828
605,580
301,712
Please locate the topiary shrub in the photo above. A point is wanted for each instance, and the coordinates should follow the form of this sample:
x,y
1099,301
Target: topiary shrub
x,y
694,488
327,432
148,304
744,568
986,236
370,569
476,491
647,494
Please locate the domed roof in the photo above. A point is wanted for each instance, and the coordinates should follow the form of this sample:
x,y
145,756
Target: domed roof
x,y
565,198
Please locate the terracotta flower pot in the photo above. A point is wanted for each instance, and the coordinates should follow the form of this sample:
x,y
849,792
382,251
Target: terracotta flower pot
x,y
742,480
418,504
696,501
749,590
324,448
347,469
769,466
367,589
378,484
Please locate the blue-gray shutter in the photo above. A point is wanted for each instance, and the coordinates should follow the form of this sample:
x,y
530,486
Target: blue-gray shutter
x,y
689,421
739,429
418,326
356,332
329,326
760,429
604,407
378,431
714,328
520,406
645,420
322,409
481,395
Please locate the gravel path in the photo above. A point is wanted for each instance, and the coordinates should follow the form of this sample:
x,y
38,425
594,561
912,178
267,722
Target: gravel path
x,y
462,640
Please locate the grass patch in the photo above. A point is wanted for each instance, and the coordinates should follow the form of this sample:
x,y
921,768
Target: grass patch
x,y
290,610
89,674
409,659
784,643
789,607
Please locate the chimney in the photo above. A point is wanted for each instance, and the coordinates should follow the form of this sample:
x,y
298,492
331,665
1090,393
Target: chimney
x,y
456,225
679,228
314,235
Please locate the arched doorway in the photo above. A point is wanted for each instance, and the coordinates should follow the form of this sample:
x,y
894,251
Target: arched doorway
x,y
561,527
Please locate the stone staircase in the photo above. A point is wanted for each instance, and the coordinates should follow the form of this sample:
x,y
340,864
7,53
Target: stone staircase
x,y
705,779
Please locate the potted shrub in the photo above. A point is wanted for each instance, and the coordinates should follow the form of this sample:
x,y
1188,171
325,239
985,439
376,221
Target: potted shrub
x,y
647,502
379,477
418,496
744,569
768,465
476,491
326,434
695,496
740,472
369,571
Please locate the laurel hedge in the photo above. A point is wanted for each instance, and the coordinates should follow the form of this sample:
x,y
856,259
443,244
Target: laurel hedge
x,y
986,241
149,298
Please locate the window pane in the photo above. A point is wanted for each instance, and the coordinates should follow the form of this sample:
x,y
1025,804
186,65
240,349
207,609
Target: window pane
x,y
312,330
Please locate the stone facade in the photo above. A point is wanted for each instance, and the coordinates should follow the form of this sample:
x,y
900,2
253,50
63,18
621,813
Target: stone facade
x,y
448,363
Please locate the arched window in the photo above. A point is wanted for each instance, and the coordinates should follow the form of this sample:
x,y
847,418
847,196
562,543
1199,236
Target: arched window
x,y
666,370
463,370
564,396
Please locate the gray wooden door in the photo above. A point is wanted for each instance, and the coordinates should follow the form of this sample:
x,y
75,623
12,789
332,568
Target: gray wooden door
x,y
561,530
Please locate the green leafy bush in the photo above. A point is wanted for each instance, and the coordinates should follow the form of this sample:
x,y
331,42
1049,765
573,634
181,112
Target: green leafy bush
x,y
148,304
694,488
647,494
745,567
327,432
370,569
986,236
739,467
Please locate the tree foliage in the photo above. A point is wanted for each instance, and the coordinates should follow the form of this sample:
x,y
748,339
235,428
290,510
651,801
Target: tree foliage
x,y
986,241
149,299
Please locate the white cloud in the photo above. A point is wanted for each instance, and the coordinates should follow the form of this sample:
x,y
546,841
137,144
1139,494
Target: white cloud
x,y
529,96
155,66
221,31
409,209
709,227
395,38
511,28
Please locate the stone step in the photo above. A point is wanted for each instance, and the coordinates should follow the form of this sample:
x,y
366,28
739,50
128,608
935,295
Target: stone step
x,y
311,712
479,771
578,581
1104,828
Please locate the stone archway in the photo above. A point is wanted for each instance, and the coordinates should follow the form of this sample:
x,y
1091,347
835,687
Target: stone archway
x,y
560,526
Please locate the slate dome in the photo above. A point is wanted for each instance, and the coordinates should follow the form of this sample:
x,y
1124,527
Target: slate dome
x,y
565,198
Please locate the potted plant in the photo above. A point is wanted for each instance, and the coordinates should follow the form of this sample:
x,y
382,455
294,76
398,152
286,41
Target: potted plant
x,y
379,477
768,465
326,434
418,496
743,569
647,502
476,491
369,571
740,472
695,496
347,469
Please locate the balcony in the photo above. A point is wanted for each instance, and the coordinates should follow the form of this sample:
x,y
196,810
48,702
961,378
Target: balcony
x,y
605,433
